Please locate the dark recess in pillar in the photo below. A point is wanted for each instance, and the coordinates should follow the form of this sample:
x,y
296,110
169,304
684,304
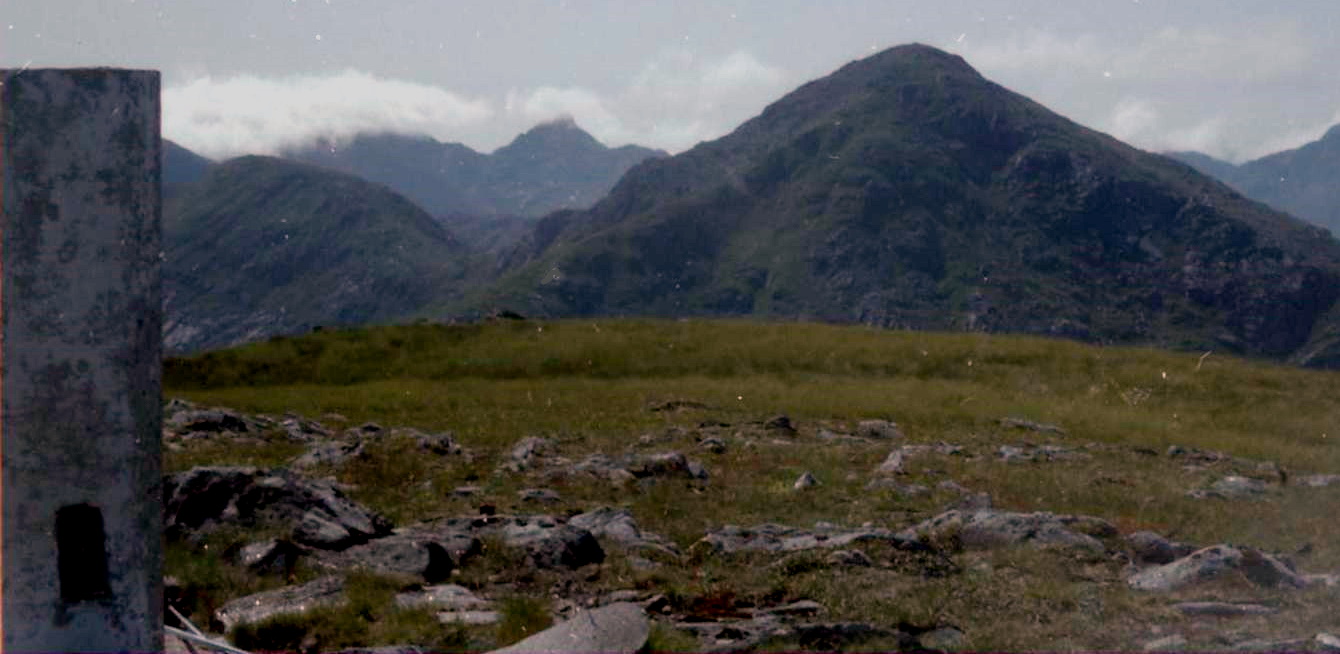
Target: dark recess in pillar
x,y
81,554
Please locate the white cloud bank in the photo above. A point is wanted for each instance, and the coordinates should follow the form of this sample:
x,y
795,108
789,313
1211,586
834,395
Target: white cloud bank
x,y
254,115
673,102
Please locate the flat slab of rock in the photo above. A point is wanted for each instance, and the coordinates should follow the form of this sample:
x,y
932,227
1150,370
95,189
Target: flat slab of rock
x,y
986,529
781,538
1212,562
1319,481
469,617
1233,487
609,629
1223,609
445,596
326,591
619,526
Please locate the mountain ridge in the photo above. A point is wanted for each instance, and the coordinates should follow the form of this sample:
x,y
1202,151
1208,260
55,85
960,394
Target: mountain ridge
x,y
906,190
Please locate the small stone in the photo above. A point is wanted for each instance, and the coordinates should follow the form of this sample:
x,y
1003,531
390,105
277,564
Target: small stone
x,y
1327,642
1319,481
370,428
780,423
880,429
540,495
466,491
951,486
805,481
1165,644
849,558
799,608
973,502
712,444
894,464
945,639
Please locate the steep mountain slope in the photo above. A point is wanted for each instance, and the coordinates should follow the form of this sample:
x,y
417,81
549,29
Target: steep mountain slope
x,y
263,246
905,190
1304,181
553,166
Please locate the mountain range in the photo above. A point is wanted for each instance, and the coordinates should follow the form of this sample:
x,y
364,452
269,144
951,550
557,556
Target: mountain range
x,y
555,165
1304,181
903,190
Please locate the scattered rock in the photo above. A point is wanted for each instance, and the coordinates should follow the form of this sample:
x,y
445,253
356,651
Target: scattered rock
x,y
1319,481
619,627
469,617
330,453
1039,453
618,525
849,558
712,444
780,424
1233,487
893,464
667,464
780,538
441,443
801,608
1211,562
416,552
274,556
805,481
189,419
549,544
526,453
1165,644
466,491
315,511
538,495
1040,427
944,639
1327,642
445,596
951,486
878,429
326,591
1150,547
986,529
1223,609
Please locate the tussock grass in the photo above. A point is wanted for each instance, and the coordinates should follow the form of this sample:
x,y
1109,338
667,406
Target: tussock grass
x,y
590,386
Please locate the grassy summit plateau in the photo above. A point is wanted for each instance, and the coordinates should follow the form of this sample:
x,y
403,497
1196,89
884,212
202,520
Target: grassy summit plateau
x,y
625,386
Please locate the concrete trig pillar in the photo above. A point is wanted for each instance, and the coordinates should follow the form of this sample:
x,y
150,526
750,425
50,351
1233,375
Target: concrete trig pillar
x,y
81,345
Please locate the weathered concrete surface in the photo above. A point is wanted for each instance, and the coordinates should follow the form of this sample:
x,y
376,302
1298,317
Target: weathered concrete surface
x,y
612,628
81,349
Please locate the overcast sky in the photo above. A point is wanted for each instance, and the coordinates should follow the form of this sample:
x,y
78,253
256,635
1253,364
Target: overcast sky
x,y
1234,78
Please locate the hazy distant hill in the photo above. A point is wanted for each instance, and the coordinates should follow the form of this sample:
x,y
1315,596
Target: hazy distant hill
x,y
1304,181
261,246
905,190
181,167
553,166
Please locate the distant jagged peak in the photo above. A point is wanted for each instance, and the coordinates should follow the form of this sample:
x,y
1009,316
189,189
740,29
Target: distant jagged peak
x,y
561,132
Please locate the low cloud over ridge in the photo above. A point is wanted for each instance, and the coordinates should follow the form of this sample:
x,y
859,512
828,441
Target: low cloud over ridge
x,y
256,115
673,102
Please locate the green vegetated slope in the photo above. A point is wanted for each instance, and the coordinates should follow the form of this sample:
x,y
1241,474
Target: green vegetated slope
x,y
599,385
904,190
261,246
